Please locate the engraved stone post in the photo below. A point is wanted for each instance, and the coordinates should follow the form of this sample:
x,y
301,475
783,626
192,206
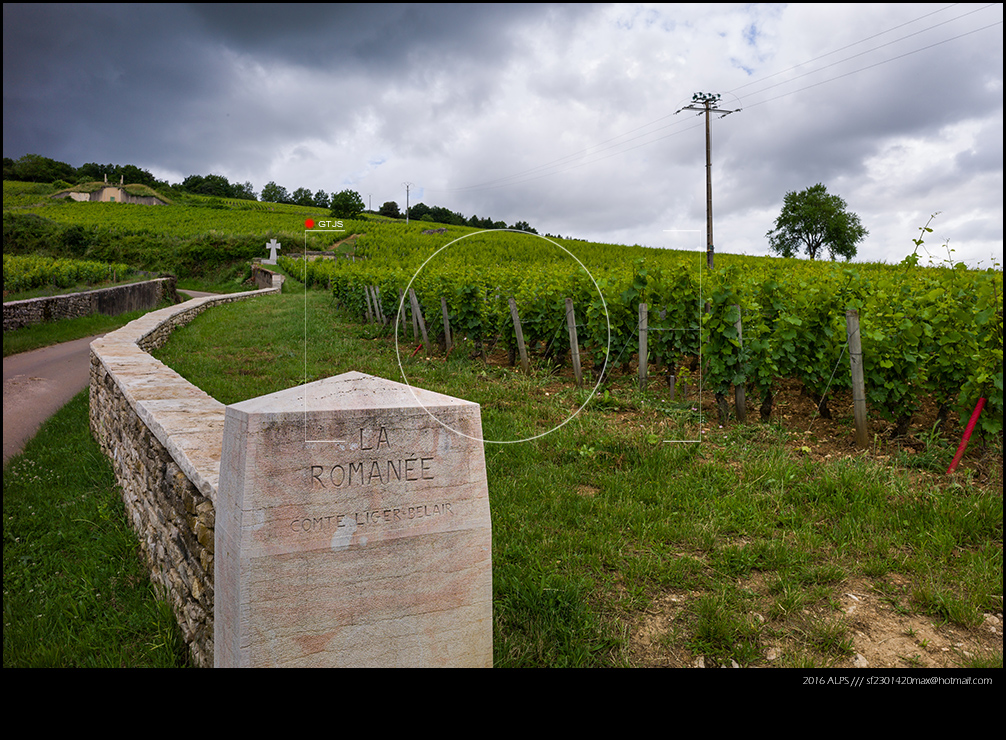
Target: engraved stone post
x,y
353,529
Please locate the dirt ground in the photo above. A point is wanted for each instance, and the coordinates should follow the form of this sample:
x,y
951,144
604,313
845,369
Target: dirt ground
x,y
883,636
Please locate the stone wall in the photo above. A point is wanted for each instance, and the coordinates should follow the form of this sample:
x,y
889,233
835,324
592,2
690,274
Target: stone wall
x,y
110,301
164,437
266,278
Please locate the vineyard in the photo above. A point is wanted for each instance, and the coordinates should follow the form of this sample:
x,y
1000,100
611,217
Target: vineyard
x,y
21,273
610,548
927,333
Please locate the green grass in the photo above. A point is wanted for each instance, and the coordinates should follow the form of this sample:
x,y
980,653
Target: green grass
x,y
595,521
50,290
28,338
593,524
74,591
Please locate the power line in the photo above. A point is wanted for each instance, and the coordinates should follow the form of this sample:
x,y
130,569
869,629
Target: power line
x,y
843,48
877,64
862,53
535,173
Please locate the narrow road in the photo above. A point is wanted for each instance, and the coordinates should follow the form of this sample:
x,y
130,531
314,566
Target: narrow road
x,y
39,383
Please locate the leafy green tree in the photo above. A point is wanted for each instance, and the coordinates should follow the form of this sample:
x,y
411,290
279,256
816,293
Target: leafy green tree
x,y
133,175
36,168
321,199
214,185
813,219
244,190
273,193
347,204
303,197
419,210
524,226
390,209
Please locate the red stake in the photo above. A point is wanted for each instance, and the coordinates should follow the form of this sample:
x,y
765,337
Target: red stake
x,y
415,351
967,435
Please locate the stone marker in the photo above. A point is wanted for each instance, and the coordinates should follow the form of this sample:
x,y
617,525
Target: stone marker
x,y
353,529
272,245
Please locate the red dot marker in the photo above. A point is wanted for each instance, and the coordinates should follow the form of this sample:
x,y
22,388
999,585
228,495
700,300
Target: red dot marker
x,y
309,224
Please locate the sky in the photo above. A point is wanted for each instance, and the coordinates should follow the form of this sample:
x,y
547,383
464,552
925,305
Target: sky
x,y
565,116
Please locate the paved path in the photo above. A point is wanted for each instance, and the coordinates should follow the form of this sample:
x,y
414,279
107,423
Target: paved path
x,y
39,383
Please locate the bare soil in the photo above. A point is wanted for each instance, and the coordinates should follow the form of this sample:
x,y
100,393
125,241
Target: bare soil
x,y
884,634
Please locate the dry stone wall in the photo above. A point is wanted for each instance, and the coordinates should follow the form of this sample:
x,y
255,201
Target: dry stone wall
x,y
111,301
266,278
164,437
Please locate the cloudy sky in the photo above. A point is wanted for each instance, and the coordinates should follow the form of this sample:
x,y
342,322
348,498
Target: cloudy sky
x,y
559,115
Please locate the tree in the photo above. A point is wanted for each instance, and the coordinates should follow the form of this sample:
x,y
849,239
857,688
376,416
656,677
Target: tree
x,y
321,199
244,191
273,193
213,185
36,168
347,204
419,210
523,226
390,209
302,197
813,219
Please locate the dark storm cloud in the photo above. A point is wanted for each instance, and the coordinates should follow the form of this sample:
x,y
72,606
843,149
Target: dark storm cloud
x,y
369,38
102,74
556,114
99,81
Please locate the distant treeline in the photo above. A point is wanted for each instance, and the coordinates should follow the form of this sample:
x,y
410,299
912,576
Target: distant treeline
x,y
345,204
441,215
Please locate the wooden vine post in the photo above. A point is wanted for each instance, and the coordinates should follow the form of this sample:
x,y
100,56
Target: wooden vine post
x,y
739,400
447,326
366,302
520,336
643,359
402,319
380,306
417,315
574,347
375,302
858,384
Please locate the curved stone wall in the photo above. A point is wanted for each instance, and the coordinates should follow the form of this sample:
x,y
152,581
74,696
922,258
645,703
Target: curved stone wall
x,y
164,438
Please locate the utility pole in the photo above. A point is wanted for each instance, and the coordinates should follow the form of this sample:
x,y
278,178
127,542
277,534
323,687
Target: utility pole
x,y
703,103
407,186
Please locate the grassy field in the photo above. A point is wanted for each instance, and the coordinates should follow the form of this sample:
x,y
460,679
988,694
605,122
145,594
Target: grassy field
x,y
612,547
615,542
64,330
74,591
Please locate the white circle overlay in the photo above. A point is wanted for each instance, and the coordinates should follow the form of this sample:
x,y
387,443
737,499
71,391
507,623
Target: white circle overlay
x,y
607,353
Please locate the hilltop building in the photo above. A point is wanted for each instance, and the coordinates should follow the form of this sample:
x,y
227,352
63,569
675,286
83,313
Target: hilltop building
x,y
98,193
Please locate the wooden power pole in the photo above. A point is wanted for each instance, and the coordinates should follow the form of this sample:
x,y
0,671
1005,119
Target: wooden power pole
x,y
704,103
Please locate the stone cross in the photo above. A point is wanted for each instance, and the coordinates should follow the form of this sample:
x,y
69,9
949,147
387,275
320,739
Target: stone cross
x,y
273,245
